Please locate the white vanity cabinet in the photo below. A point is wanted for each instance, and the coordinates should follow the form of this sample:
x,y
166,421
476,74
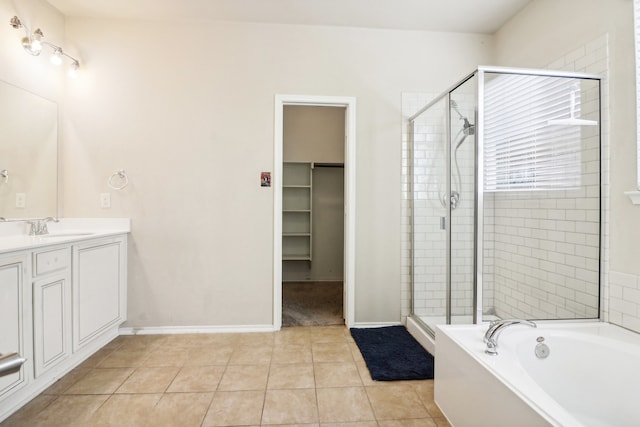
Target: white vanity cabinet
x,y
12,319
99,277
51,307
61,300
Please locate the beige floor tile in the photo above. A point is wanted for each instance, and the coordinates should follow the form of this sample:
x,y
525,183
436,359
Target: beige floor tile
x,y
209,355
425,392
292,353
181,409
293,336
142,342
185,341
251,355
255,339
331,352
355,352
244,377
124,359
353,424
100,381
344,404
96,358
290,407
395,402
365,375
149,380
162,357
235,408
329,334
415,422
68,411
63,384
291,376
337,375
196,379
25,415
126,410
442,422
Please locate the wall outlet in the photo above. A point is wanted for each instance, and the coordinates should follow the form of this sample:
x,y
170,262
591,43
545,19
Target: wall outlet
x,y
21,200
105,200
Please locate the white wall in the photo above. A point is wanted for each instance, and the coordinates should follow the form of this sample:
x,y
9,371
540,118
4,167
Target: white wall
x,y
187,111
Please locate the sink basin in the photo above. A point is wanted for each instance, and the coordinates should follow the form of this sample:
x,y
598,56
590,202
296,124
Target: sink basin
x,y
70,234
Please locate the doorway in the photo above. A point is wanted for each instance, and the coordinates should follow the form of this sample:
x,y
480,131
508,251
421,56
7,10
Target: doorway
x,y
308,267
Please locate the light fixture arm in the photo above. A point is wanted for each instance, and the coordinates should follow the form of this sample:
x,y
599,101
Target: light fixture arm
x,y
31,38
59,49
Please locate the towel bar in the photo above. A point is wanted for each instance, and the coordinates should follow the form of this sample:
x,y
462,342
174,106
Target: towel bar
x,y
10,363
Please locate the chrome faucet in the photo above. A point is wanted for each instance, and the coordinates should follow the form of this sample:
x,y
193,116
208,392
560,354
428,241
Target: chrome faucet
x,y
38,227
495,329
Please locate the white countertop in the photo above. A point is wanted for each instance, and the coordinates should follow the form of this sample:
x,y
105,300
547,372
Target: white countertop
x,y
14,237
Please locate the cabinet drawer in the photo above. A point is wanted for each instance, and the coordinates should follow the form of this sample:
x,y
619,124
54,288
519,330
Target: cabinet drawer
x,y
48,261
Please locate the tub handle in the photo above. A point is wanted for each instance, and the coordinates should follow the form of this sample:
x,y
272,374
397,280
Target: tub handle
x,y
10,363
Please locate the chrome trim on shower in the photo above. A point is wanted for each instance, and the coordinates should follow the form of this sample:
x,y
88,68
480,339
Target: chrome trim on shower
x,y
478,218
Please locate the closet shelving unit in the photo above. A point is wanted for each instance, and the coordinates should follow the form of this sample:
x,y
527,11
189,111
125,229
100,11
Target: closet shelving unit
x,y
297,187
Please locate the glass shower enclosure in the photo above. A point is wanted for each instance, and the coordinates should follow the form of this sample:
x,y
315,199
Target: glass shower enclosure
x,y
505,199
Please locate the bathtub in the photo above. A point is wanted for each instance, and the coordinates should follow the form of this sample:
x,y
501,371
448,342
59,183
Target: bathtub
x,y
591,376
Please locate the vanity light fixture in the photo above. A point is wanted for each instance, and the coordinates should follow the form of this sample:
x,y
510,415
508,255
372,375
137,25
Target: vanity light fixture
x,y
33,42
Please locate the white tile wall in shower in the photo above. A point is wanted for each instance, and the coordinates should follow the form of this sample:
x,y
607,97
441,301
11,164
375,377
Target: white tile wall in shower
x,y
546,244
624,300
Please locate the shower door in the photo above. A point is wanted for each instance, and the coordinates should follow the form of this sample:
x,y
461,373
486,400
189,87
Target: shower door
x,y
444,203
430,214
463,165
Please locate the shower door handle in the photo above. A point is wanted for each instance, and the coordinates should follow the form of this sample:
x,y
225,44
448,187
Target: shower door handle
x,y
443,223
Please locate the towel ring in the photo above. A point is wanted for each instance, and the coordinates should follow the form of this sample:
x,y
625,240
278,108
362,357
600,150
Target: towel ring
x,y
122,176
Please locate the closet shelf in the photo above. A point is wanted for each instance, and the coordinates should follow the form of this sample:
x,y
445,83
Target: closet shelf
x,y
297,190
295,258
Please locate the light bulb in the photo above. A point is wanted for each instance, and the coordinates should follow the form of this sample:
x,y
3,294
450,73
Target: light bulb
x,y
56,58
73,71
36,41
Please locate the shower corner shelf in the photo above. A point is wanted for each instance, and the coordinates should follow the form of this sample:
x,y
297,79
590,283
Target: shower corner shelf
x,y
297,188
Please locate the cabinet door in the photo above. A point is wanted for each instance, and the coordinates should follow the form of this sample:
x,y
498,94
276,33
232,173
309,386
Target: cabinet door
x,y
98,287
12,325
51,322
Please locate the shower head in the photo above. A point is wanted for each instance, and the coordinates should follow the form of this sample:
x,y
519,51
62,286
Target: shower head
x,y
467,128
454,105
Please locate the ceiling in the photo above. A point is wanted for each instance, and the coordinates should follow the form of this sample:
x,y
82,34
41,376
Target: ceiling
x,y
467,16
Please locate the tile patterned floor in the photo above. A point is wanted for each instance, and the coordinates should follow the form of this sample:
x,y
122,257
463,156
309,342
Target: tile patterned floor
x,y
303,376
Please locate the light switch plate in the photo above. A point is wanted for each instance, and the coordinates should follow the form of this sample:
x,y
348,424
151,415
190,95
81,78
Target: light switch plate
x,y
105,200
21,200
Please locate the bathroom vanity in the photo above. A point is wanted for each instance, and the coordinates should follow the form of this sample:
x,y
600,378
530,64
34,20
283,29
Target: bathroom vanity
x,y
63,296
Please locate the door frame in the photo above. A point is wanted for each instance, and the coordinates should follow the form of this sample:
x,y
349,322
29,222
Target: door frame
x,y
349,103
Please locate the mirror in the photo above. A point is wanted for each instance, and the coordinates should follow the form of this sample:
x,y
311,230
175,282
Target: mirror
x,y
28,154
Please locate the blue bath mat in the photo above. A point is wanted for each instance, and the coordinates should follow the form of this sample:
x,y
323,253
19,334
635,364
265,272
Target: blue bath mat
x,y
392,354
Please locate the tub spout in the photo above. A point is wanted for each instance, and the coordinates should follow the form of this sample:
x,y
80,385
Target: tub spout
x,y
496,328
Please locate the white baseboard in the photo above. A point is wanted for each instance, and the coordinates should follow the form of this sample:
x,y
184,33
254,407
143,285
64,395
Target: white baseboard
x,y
206,329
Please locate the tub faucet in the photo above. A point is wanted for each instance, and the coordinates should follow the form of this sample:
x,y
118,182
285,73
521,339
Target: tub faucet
x,y
495,329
